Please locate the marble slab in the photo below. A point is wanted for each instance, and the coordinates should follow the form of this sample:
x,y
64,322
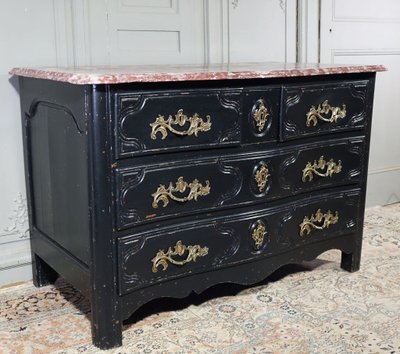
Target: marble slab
x,y
126,74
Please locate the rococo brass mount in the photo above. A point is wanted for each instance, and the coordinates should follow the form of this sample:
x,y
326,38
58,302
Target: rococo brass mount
x,y
331,167
162,258
196,190
196,125
258,235
325,220
261,177
319,112
260,115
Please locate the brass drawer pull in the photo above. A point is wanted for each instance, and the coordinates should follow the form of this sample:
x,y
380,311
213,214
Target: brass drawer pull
x,y
322,111
162,258
330,168
258,235
260,115
160,125
325,220
196,190
261,177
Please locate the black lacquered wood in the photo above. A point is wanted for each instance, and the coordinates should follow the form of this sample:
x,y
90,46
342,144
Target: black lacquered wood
x,y
134,112
229,238
92,167
351,97
232,178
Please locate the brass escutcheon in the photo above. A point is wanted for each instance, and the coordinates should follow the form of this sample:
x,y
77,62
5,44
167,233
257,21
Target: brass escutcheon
x,y
261,177
258,235
260,115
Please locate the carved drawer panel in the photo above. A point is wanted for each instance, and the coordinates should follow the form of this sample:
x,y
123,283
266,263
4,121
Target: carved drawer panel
x,y
322,165
324,109
155,191
210,243
327,217
161,121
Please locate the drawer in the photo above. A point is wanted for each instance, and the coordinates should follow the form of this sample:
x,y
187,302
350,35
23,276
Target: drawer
x,y
162,189
260,114
161,121
177,250
310,110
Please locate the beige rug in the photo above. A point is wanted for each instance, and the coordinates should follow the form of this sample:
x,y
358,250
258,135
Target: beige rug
x,y
312,308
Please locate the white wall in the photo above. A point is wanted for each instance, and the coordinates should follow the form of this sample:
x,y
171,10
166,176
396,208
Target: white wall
x,y
26,39
84,32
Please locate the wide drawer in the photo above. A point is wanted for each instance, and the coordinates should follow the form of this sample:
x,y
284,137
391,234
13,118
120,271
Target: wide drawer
x,y
158,189
160,121
192,247
309,110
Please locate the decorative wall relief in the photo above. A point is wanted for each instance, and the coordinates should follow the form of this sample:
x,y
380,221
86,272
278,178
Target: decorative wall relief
x,y
19,224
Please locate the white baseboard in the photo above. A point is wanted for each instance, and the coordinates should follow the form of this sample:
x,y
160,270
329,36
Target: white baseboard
x,y
383,186
15,274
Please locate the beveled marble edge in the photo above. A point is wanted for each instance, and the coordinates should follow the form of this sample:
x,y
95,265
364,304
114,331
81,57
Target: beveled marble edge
x,y
126,74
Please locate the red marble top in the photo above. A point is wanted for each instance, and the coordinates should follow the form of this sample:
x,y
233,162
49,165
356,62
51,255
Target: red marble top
x,y
125,74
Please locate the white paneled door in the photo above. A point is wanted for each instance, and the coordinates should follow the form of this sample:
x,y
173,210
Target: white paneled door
x,y
368,32
124,32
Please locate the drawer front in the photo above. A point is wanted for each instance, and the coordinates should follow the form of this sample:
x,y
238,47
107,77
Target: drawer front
x,y
152,122
324,109
260,114
175,188
193,247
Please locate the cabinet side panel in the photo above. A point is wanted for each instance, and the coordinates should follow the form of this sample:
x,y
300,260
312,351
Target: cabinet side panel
x,y
54,118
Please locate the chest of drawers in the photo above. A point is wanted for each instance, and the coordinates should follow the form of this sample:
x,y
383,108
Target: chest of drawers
x,y
144,185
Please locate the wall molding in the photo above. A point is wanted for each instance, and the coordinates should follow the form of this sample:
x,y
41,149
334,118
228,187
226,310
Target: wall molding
x,y
216,25
308,31
361,19
63,25
386,169
365,52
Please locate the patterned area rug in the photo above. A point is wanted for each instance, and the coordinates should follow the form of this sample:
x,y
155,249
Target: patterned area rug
x,y
314,307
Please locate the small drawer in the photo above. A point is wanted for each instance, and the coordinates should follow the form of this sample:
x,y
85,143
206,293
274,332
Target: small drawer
x,y
322,165
202,245
324,109
260,114
317,220
161,121
157,190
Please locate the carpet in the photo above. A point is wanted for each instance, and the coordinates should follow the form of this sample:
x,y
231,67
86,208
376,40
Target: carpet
x,y
314,307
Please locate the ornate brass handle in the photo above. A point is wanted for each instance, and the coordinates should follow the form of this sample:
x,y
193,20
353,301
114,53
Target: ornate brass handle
x,y
260,114
196,125
321,111
258,235
162,258
196,190
330,166
324,221
261,177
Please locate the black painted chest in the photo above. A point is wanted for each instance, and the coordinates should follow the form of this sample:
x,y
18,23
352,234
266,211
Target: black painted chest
x,y
144,190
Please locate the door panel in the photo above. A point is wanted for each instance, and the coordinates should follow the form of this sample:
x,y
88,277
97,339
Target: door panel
x,y
127,32
368,32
